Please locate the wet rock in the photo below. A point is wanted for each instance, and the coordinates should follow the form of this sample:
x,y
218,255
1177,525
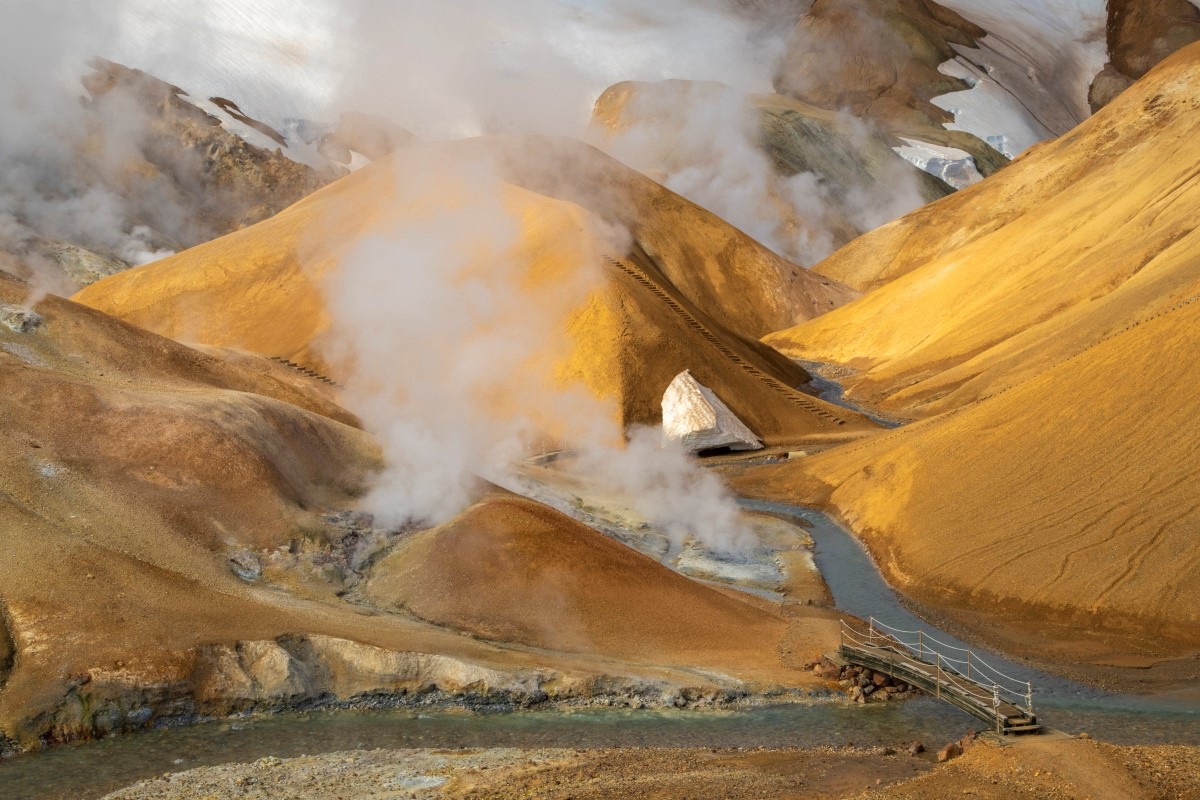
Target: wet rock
x,y
916,748
7,650
880,679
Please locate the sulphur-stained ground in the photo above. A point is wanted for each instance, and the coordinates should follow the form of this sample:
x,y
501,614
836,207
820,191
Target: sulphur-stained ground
x,y
1044,767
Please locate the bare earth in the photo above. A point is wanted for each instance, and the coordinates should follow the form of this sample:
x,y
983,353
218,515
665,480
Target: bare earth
x,y
1043,767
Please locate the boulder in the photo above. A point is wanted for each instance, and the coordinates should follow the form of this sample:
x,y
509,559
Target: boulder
x,y
697,419
952,750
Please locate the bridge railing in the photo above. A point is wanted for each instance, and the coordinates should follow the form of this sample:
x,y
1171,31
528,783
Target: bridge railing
x,y
984,683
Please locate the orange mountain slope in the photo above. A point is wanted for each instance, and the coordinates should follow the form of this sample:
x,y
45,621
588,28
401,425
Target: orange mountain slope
x,y
1055,353
693,293
1074,242
1066,505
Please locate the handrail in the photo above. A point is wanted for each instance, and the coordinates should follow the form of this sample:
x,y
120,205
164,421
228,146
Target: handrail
x,y
984,683
972,657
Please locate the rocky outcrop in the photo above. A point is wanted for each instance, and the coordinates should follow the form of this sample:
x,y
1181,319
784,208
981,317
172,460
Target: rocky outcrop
x,y
878,60
308,672
697,419
1141,33
1109,83
296,670
19,319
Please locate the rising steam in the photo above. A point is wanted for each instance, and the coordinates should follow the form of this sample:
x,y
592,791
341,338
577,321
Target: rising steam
x,y
449,352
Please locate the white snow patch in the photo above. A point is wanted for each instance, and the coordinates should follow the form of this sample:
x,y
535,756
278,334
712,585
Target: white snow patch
x,y
956,167
276,58
296,149
696,418
1031,73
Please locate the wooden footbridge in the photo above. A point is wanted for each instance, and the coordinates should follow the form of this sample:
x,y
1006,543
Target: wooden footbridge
x,y
951,673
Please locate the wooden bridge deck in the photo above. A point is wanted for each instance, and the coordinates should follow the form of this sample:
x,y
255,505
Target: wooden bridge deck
x,y
953,674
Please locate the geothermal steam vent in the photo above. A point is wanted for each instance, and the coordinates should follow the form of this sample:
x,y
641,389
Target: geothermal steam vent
x,y
695,417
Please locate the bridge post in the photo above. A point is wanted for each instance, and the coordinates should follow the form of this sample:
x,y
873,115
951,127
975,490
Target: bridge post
x,y
996,708
871,628
968,665
921,645
939,675
1029,698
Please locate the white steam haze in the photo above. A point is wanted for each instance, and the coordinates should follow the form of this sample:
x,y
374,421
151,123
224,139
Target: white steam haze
x,y
452,358
433,339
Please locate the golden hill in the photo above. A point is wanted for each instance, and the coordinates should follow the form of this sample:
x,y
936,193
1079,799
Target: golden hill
x,y
1057,491
177,540
510,569
692,293
1074,242
1061,514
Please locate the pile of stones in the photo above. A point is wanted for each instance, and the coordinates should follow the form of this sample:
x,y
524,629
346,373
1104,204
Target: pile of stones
x,y
864,685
